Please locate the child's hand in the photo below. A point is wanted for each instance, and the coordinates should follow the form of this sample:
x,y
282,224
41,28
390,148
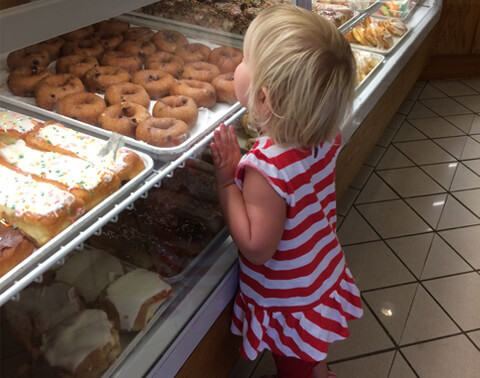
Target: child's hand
x,y
226,155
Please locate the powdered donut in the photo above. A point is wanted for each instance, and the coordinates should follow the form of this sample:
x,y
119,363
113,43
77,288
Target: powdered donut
x,y
99,78
28,57
55,87
142,49
193,52
123,118
163,132
86,47
179,107
169,40
23,81
157,83
127,92
138,34
81,33
202,71
130,63
226,58
202,93
164,61
82,106
224,87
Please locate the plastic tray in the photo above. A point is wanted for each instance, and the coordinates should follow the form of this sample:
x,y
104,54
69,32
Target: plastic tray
x,y
366,9
403,11
8,282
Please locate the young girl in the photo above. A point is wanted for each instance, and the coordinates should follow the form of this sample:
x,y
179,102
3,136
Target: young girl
x,y
296,294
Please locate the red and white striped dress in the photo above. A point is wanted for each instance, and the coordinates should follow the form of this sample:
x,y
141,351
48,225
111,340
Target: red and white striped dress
x,y
298,302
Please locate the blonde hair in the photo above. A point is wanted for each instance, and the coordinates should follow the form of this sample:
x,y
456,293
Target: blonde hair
x,y
308,70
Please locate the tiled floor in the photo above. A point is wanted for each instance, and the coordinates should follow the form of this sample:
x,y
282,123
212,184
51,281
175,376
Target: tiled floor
x,y
410,227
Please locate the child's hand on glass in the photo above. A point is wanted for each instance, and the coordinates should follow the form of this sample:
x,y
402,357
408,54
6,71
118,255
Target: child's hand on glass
x,y
226,155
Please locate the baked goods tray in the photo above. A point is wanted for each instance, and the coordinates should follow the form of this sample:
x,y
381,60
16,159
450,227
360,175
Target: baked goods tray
x,y
373,57
366,9
49,254
360,21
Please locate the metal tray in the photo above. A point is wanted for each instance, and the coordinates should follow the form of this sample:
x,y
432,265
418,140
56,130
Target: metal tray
x,y
378,59
33,266
208,119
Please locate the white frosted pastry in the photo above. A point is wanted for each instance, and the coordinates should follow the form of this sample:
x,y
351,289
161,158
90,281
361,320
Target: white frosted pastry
x,y
85,344
14,125
132,300
90,271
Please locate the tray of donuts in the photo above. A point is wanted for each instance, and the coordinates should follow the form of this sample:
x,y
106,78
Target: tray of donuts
x,y
55,182
156,87
379,35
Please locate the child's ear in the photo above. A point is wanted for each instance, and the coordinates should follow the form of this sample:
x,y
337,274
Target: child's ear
x,y
263,102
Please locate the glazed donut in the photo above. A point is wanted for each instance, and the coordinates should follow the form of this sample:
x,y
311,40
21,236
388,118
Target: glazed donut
x,y
53,46
54,87
81,33
157,83
169,40
193,52
130,63
142,49
123,118
79,69
28,57
224,87
226,58
179,107
22,81
127,92
97,79
138,33
112,26
164,61
163,132
85,47
109,41
202,93
82,106
202,71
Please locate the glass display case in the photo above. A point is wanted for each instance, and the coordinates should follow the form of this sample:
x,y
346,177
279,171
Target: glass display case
x,y
194,254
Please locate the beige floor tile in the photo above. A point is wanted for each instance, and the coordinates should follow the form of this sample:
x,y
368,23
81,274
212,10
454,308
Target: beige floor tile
x,y
446,106
418,110
366,336
455,215
396,121
407,133
442,173
386,138
410,314
458,295
375,190
429,207
393,158
464,179
393,218
375,156
475,337
346,202
453,87
471,199
472,83
376,366
474,165
471,102
410,182
451,357
362,177
406,107
355,229
415,92
431,92
436,127
469,123
462,148
424,152
373,266
466,242
400,368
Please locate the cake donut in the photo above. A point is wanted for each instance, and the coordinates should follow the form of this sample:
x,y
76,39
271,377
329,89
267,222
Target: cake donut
x,y
224,87
82,106
226,58
179,107
81,33
142,49
14,248
84,344
169,40
28,57
202,93
138,34
54,87
53,46
157,83
75,64
108,40
128,62
85,47
112,26
97,79
193,52
22,81
90,271
163,132
127,92
165,61
132,300
123,118
201,71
